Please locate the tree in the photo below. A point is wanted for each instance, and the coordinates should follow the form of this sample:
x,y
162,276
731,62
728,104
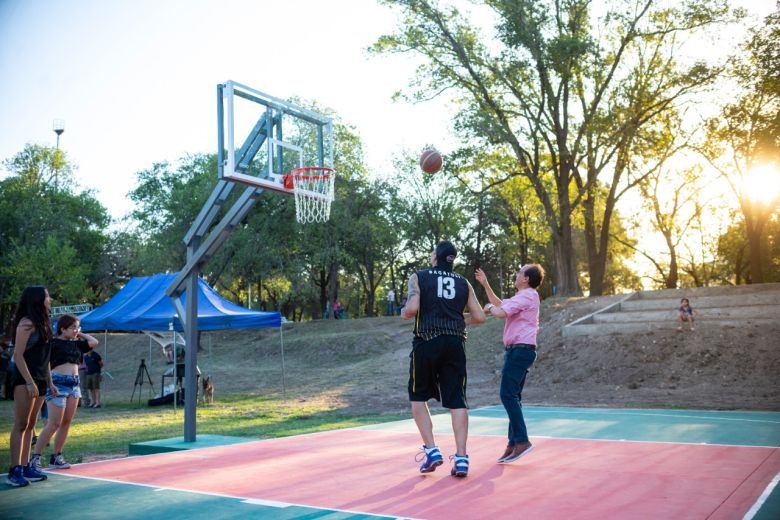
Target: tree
x,y
372,243
557,97
506,228
167,200
51,232
743,142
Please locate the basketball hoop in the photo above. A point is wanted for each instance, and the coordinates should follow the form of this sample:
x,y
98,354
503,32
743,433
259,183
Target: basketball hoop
x,y
313,190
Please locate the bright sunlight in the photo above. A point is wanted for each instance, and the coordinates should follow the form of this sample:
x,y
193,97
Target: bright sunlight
x,y
762,183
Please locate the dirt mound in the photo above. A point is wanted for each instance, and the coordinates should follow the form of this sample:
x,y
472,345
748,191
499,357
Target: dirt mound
x,y
363,364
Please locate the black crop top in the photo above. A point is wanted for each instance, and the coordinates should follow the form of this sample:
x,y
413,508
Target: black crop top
x,y
67,351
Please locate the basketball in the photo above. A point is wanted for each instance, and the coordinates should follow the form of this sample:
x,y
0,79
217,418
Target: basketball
x,y
430,161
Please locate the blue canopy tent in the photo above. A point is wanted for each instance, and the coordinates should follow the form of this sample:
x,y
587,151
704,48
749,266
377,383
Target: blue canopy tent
x,y
142,305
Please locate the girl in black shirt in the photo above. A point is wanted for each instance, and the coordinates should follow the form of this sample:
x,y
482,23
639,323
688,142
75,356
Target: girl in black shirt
x,y
31,378
66,351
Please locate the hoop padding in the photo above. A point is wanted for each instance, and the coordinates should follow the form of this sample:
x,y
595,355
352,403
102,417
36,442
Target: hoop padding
x,y
313,190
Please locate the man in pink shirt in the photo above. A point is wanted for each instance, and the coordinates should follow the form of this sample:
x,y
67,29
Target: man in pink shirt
x,y
521,313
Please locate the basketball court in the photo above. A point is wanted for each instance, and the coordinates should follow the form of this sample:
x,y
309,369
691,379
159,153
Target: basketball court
x,y
587,463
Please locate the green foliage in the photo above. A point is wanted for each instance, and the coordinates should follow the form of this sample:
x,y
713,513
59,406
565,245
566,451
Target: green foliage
x,y
562,91
747,133
732,262
51,232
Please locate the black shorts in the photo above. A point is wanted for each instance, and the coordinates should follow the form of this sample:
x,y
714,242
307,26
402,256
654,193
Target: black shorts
x,y
437,370
42,384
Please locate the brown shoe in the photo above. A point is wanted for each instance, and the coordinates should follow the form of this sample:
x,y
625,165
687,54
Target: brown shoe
x,y
519,450
507,452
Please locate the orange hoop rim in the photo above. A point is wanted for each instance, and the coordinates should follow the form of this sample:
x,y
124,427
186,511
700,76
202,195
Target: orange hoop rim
x,y
305,172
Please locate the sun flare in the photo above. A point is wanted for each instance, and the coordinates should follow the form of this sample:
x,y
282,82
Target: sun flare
x,y
762,184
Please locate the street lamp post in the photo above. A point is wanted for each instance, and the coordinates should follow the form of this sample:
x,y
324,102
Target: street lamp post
x,y
58,126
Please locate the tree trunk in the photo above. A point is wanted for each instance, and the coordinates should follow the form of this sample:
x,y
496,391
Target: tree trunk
x,y
596,259
323,293
567,282
753,227
563,249
673,276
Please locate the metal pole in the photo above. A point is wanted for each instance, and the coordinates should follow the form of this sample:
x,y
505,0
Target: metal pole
x,y
175,357
191,358
281,338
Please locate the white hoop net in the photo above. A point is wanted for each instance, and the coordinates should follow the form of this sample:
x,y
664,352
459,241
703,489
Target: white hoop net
x,y
313,190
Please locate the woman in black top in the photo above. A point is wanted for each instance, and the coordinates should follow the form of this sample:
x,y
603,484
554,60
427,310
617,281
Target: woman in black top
x,y
66,351
32,376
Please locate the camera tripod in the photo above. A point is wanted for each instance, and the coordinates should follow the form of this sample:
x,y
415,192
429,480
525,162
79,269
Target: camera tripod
x,y
139,381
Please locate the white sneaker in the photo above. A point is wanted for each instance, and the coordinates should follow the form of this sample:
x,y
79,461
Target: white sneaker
x,y
35,462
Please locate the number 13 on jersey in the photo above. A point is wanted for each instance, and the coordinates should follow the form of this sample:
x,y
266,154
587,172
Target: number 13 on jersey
x,y
445,287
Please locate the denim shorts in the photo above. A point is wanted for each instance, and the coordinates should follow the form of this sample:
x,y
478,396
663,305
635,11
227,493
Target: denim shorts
x,y
68,386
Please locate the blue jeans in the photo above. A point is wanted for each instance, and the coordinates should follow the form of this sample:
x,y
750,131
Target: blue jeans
x,y
517,361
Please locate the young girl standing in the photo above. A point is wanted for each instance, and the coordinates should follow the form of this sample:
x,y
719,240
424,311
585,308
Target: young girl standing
x,y
32,376
66,351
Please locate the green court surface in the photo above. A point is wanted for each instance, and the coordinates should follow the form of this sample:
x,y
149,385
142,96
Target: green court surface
x,y
679,426
177,444
65,498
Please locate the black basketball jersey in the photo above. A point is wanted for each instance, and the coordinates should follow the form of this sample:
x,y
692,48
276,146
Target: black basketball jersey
x,y
443,296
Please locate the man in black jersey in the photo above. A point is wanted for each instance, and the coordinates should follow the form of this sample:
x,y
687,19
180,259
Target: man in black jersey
x,y
437,370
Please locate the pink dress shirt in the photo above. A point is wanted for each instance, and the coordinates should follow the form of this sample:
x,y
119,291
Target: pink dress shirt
x,y
522,317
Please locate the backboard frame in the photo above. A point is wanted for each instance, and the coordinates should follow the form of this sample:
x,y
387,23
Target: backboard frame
x,y
268,129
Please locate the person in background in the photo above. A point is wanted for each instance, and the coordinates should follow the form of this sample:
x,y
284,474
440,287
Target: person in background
x,y
94,368
437,298
85,399
402,305
390,303
685,313
32,376
521,327
5,362
66,355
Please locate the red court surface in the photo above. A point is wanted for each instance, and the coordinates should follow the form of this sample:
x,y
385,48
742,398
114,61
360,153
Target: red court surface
x,y
374,472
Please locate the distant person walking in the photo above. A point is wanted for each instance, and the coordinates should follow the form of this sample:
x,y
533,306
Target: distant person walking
x,y
436,300
521,313
685,313
5,362
85,399
94,368
66,355
390,303
31,378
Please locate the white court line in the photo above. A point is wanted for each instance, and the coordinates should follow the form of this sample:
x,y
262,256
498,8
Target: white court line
x,y
760,501
611,413
246,500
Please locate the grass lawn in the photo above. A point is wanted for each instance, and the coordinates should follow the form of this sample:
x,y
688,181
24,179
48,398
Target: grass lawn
x,y
107,432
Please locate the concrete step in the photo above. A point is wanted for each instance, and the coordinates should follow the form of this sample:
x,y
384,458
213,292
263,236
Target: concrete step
x,y
696,292
599,329
657,310
670,315
705,302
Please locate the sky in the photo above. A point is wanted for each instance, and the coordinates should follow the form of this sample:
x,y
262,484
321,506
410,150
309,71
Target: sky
x,y
135,81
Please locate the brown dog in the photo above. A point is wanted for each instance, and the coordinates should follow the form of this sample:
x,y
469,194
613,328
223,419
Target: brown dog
x,y
208,390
